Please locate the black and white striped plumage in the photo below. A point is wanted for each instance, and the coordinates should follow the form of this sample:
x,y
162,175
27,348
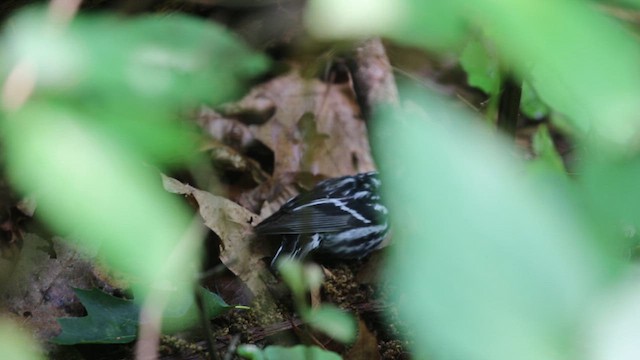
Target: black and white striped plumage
x,y
339,218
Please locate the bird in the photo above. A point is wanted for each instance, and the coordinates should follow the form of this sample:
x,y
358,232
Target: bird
x,y
340,218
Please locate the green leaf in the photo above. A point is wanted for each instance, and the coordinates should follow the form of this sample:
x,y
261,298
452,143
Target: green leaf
x,y
531,105
580,61
488,265
332,321
166,61
89,185
103,114
132,76
298,352
18,344
109,320
293,275
416,22
547,157
609,185
482,67
113,320
183,313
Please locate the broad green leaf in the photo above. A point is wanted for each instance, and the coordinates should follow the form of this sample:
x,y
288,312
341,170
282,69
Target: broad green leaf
x,y
88,185
132,75
112,320
614,328
17,343
547,157
332,321
630,3
609,187
580,62
298,352
184,313
488,266
103,112
531,105
482,67
415,22
109,320
164,60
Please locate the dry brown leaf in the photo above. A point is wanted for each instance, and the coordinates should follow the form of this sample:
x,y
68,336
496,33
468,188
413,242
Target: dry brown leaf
x,y
275,191
366,345
316,127
227,157
233,224
231,132
39,288
313,128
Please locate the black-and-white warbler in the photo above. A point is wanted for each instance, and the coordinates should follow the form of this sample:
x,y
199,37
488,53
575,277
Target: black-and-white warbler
x,y
340,218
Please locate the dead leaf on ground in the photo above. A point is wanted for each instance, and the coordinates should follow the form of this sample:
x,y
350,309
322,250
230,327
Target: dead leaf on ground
x,y
313,128
229,158
228,131
38,289
365,346
234,225
316,127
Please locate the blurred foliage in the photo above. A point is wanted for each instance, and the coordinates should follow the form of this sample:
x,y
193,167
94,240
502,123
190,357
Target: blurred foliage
x,y
511,262
498,257
132,76
89,187
531,105
547,157
102,115
16,343
580,62
327,318
298,352
480,63
107,94
494,259
482,68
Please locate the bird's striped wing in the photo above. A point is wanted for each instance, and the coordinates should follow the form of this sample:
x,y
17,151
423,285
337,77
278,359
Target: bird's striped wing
x,y
333,205
322,215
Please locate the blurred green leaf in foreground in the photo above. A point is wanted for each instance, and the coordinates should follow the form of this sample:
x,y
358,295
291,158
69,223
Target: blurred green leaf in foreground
x,y
17,344
578,60
327,318
298,352
507,267
101,115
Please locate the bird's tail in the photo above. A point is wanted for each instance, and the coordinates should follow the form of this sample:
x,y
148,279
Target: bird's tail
x,y
295,247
